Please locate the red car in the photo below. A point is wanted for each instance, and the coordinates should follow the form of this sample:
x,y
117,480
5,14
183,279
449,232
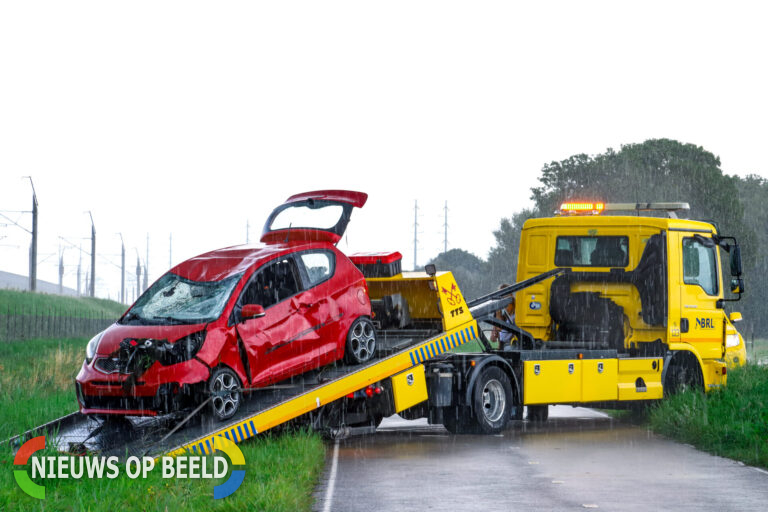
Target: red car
x,y
245,316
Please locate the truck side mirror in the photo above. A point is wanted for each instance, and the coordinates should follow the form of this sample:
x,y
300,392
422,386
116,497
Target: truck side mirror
x,y
252,311
737,285
736,261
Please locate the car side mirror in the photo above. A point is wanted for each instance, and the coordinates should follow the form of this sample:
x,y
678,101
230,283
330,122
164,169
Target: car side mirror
x,y
252,311
737,285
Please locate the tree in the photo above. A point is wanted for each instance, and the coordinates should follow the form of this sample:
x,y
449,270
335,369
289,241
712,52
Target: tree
x,y
469,270
655,170
502,259
753,192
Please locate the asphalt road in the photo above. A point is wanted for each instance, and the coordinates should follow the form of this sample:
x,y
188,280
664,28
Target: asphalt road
x,y
580,459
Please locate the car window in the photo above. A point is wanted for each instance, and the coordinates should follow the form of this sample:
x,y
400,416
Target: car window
x,y
274,283
700,265
174,299
318,265
592,251
299,216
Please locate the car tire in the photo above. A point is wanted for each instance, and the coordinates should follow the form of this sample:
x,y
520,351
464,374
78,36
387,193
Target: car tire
x,y
226,395
492,400
361,341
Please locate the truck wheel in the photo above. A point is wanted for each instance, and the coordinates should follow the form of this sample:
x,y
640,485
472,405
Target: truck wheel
x,y
225,388
683,373
458,420
492,398
538,413
361,342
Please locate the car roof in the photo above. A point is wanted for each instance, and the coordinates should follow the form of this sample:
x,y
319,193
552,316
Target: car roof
x,y
222,263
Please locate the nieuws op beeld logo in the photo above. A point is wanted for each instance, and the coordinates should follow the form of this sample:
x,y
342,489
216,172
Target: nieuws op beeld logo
x,y
72,467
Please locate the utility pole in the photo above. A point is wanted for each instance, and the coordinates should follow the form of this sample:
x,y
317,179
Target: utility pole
x,y
146,266
92,289
122,269
247,231
138,274
33,245
61,270
79,266
415,232
445,226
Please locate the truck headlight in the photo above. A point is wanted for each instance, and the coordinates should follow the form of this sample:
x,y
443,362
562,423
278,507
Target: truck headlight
x,y
732,340
90,349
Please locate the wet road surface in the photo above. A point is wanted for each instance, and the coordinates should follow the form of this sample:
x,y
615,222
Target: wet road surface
x,y
580,459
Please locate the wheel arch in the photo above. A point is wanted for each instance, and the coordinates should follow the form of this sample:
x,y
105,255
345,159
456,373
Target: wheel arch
x,y
681,354
500,363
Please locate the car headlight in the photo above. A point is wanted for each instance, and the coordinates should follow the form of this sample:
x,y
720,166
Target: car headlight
x,y
90,349
732,340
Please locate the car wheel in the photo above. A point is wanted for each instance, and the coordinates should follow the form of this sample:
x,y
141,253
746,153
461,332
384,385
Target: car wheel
x,y
224,386
492,400
361,341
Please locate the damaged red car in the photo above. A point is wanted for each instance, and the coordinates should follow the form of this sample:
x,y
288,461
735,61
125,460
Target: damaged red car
x,y
235,318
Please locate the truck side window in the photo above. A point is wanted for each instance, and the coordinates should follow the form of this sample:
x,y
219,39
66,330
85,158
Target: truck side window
x,y
700,265
592,251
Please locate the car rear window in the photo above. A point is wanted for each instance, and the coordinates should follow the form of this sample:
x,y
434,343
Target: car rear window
x,y
319,266
592,251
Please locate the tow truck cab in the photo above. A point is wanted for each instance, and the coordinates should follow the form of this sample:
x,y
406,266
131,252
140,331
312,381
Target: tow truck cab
x,y
644,286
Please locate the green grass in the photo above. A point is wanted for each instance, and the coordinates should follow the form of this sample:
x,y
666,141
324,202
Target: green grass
x,y
24,303
36,382
36,387
731,422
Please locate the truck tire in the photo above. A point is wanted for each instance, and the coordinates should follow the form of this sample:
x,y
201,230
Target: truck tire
x,y
459,420
683,373
538,413
492,400
361,341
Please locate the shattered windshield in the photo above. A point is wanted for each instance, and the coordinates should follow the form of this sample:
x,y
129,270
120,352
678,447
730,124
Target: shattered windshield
x,y
176,300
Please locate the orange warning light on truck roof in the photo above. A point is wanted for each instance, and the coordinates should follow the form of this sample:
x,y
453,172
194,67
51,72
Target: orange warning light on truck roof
x,y
575,208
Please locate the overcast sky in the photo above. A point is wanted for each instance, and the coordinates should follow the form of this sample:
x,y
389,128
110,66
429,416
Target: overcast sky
x,y
194,118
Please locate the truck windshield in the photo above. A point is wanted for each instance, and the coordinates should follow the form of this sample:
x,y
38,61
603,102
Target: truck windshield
x,y
592,251
176,300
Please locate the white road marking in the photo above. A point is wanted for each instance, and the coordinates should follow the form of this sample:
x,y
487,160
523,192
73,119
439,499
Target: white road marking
x,y
761,470
331,479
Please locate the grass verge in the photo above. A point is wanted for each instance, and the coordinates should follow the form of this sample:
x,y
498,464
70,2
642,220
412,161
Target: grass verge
x,y
24,303
731,422
36,386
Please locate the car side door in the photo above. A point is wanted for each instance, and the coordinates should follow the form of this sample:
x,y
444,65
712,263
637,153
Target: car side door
x,y
317,302
272,342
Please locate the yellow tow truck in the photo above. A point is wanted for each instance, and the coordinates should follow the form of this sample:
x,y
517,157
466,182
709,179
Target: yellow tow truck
x,y
611,310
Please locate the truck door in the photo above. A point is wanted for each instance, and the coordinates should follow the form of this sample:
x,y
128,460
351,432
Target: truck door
x,y
699,286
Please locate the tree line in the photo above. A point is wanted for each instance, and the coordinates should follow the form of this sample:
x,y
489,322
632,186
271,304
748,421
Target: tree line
x,y
657,170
